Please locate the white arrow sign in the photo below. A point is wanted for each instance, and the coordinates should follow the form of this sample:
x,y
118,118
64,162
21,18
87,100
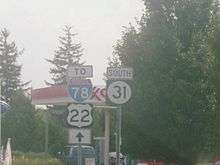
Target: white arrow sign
x,y
79,136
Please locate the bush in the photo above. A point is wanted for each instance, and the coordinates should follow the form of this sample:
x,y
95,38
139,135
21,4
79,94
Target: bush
x,y
20,158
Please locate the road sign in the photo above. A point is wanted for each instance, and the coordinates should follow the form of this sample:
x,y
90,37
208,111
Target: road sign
x,y
80,71
119,92
4,107
79,136
80,90
119,73
79,115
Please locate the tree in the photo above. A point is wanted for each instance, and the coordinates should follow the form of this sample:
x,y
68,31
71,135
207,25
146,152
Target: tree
x,y
68,53
10,70
19,123
214,42
173,100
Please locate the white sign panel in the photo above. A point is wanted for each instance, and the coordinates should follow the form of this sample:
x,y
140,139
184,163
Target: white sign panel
x,y
79,115
79,136
80,71
120,73
89,161
119,92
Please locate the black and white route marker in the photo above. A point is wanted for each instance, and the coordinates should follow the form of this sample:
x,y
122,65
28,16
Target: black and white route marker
x,y
79,115
119,92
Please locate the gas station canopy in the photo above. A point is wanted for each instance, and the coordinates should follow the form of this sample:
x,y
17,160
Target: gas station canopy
x,y
59,95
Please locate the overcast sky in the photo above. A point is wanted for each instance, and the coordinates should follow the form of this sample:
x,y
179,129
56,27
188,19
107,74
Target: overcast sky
x,y
36,24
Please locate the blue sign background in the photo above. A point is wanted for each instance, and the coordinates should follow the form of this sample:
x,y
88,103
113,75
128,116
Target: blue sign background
x,y
80,91
4,107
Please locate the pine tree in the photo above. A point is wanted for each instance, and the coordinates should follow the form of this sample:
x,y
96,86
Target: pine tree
x,y
10,70
171,109
68,53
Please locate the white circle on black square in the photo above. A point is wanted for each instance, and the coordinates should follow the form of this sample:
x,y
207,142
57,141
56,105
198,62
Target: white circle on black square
x,y
119,92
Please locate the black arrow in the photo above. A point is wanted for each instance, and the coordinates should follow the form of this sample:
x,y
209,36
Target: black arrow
x,y
79,136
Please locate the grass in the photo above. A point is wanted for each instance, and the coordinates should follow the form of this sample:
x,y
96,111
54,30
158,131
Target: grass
x,y
34,159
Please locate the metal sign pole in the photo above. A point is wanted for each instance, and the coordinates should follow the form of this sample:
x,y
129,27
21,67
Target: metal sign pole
x,y
79,152
118,136
80,155
107,136
0,116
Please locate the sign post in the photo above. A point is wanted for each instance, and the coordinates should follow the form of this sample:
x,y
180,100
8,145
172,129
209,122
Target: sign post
x,y
118,93
79,115
4,107
80,89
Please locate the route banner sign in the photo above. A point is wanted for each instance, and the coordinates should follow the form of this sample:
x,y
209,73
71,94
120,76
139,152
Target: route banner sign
x,y
80,90
79,136
79,115
80,71
118,92
119,73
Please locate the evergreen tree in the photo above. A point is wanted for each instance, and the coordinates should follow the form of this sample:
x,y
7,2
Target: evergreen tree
x,y
215,42
19,123
68,53
172,105
10,70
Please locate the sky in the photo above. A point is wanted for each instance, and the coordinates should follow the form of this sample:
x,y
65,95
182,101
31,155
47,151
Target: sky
x,y
36,24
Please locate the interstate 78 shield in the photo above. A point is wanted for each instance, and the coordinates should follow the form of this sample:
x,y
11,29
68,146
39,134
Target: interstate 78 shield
x,y
80,90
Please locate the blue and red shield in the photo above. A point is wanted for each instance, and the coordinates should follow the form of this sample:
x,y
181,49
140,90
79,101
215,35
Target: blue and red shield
x,y
80,90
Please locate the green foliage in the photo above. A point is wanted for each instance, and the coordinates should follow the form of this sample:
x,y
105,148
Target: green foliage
x,y
172,109
10,70
26,127
68,53
34,159
19,123
57,135
215,42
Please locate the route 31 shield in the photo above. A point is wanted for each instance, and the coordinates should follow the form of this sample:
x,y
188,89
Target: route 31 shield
x,y
118,92
80,90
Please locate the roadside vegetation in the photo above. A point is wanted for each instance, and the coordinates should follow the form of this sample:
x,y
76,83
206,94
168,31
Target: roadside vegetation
x,y
174,113
34,159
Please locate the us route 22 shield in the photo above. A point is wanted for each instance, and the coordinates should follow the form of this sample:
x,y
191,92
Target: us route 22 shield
x,y
80,90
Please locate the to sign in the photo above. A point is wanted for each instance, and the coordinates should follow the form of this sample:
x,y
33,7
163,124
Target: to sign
x,y
80,71
79,136
119,92
80,90
120,73
79,115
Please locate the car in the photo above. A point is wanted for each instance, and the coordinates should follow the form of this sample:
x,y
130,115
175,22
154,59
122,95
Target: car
x,y
70,155
112,158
